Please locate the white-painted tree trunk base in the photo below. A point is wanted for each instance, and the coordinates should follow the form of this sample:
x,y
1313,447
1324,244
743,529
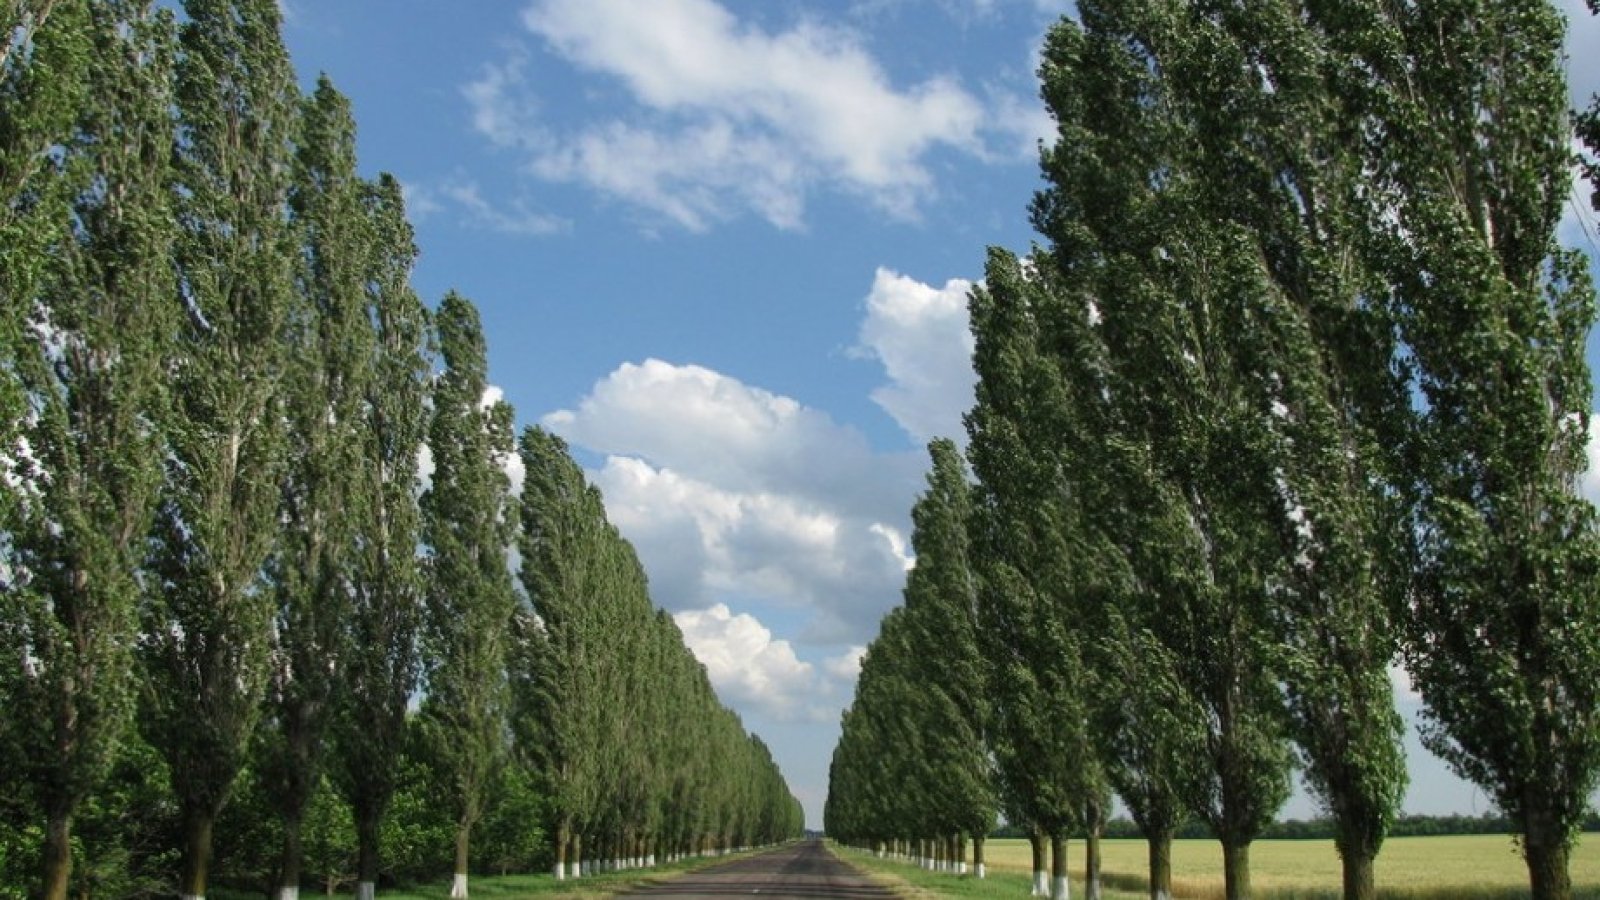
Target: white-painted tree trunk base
x,y
1041,883
1059,889
560,871
978,871
191,897
289,893
366,890
458,887
961,868
1163,895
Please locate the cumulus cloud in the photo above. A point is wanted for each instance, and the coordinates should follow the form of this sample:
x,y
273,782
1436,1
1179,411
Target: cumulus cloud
x,y
921,336
723,117
713,428
727,490
700,541
748,666
846,666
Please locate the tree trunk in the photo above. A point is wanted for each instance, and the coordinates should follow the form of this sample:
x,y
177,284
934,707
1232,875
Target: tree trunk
x,y
58,852
575,862
1359,883
1091,886
197,825
289,863
1548,875
1059,889
562,837
1041,883
1236,870
977,855
458,887
368,831
1160,865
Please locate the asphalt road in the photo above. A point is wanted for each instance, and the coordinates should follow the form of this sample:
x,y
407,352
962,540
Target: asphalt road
x,y
803,870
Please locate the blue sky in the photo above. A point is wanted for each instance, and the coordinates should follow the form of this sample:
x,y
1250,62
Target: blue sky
x,y
723,246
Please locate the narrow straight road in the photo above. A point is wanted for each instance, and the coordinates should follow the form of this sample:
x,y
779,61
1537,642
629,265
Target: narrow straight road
x,y
803,870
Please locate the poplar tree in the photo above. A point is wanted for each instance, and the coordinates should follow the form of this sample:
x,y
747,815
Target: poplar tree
x,y
1183,332
468,527
208,621
1147,725
1503,619
1289,164
311,571
45,49
382,662
941,596
99,322
563,542
1037,563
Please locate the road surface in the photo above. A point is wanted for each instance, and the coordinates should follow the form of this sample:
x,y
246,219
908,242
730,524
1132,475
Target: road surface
x,y
804,870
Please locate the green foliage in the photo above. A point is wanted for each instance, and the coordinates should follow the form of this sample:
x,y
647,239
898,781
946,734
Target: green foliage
x,y
100,315
382,655
467,526
322,505
207,620
613,717
512,838
215,388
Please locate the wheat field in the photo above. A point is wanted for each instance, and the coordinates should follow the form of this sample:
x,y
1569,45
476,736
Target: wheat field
x,y
1411,867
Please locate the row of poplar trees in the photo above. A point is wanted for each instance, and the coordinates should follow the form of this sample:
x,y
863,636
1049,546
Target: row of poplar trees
x,y
216,385
1294,389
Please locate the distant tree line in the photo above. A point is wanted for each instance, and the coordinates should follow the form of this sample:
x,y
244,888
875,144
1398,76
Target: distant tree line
x,y
245,635
1294,388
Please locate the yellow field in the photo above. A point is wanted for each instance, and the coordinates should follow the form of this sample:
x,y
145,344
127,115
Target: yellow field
x,y
1423,866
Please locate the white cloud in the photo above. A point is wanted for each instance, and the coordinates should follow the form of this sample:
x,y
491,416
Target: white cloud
x,y
747,666
723,117
700,541
920,334
712,428
846,666
464,199
729,491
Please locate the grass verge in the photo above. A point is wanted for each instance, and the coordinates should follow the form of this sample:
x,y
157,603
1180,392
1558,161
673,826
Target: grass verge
x,y
916,883
516,887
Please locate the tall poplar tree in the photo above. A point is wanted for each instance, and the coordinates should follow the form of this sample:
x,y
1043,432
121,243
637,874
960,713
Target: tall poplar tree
x,y
1503,619
382,662
45,57
468,526
100,324
1148,727
207,625
1126,209
941,595
1034,559
311,571
1289,163
565,544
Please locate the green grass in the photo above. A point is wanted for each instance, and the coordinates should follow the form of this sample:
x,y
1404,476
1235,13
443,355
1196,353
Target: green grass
x,y
909,880
515,887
